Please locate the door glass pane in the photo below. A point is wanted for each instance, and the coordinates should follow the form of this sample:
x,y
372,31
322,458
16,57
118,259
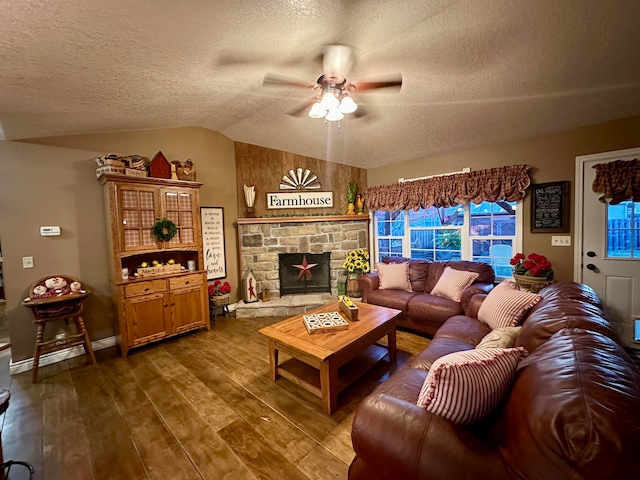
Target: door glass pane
x,y
623,230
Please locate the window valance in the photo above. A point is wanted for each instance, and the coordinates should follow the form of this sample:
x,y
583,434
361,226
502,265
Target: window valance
x,y
501,183
618,181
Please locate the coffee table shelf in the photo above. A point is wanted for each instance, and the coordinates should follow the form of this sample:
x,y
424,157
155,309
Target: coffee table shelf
x,y
308,377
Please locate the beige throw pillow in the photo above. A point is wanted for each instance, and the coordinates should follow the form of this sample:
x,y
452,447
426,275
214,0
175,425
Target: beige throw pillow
x,y
394,276
504,337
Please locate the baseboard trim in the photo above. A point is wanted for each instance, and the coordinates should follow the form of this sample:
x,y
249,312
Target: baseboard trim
x,y
60,356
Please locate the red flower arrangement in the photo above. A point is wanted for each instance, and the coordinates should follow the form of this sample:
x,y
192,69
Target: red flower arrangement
x,y
533,266
219,288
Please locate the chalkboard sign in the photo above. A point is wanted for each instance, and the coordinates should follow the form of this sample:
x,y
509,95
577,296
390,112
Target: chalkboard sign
x,y
550,207
215,263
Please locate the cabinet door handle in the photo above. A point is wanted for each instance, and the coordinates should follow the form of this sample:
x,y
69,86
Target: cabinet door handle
x,y
146,289
187,282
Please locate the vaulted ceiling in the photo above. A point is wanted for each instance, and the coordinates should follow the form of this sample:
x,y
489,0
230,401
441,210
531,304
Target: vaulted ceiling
x,y
475,72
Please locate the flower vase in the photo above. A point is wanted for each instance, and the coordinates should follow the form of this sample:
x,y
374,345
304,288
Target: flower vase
x,y
531,284
353,284
351,209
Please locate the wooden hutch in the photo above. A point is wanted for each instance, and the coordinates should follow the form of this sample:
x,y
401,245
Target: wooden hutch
x,y
154,307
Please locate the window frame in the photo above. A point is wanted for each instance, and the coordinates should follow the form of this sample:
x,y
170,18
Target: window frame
x,y
466,251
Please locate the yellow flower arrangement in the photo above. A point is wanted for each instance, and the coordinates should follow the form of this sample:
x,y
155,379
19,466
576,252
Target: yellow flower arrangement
x,y
357,261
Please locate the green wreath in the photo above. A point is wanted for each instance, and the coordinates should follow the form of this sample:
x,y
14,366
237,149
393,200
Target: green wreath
x,y
165,230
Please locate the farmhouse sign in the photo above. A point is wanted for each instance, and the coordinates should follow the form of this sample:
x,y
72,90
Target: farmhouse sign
x,y
299,199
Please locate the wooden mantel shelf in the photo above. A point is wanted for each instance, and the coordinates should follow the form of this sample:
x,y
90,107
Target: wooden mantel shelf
x,y
315,218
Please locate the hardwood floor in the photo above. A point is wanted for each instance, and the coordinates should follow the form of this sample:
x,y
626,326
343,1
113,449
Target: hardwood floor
x,y
201,406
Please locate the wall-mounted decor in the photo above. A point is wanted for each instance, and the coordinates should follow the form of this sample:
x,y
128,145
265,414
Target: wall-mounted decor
x,y
215,263
299,199
550,207
300,179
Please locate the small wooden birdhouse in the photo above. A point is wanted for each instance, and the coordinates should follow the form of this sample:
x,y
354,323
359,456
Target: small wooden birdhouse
x,y
249,287
160,166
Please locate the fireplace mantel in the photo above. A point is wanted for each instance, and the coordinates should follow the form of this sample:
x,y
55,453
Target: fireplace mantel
x,y
312,218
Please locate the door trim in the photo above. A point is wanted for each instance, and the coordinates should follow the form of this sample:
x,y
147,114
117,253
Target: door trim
x,y
578,200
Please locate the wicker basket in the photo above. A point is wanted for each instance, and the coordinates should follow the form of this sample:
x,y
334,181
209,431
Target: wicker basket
x,y
220,299
531,284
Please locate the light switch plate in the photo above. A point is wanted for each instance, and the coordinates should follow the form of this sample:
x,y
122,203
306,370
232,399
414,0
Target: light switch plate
x,y
561,240
27,262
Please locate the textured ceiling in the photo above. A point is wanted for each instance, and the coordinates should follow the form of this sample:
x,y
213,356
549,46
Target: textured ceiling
x,y
475,72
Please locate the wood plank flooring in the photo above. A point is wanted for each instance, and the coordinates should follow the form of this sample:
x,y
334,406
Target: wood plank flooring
x,y
201,406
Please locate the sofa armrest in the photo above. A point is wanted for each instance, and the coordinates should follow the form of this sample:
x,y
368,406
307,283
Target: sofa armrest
x,y
401,440
474,289
474,305
369,282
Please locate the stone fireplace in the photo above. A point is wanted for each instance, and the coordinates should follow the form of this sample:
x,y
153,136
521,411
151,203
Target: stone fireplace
x,y
262,240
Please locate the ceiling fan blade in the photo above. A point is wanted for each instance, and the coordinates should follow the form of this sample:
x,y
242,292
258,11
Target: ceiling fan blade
x,y
285,82
303,107
364,86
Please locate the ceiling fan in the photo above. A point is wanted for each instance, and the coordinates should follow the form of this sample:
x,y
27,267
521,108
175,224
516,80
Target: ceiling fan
x,y
331,98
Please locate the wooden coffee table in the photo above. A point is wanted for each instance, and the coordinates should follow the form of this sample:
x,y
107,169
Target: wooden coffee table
x,y
327,363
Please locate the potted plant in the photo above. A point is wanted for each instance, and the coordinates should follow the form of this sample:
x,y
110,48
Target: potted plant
x,y
531,273
219,292
356,263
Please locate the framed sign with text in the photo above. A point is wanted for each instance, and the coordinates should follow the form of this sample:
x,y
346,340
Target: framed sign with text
x,y
550,207
212,219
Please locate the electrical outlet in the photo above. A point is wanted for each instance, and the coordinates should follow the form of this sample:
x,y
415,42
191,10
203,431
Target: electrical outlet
x,y
561,240
27,262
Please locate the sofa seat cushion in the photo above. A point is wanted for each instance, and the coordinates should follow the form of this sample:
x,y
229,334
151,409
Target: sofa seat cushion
x,y
397,299
465,387
438,347
574,409
436,309
463,329
404,384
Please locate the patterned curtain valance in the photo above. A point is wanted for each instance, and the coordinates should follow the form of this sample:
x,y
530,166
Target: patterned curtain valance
x,y
618,181
501,183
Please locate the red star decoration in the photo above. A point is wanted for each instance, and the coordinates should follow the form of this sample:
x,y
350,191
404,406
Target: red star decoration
x,y
305,268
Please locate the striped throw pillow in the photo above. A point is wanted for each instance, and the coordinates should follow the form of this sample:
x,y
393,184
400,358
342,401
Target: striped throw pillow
x,y
506,305
465,387
452,283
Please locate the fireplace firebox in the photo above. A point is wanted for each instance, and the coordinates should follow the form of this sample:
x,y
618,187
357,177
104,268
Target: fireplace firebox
x,y
304,273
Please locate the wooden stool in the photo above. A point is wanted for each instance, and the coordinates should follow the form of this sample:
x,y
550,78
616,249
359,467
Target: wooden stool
x,y
57,304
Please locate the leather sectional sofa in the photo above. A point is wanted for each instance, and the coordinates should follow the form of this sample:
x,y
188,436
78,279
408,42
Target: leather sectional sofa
x,y
573,410
422,311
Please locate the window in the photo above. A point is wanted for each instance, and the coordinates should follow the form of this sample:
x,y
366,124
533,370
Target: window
x,y
488,232
623,230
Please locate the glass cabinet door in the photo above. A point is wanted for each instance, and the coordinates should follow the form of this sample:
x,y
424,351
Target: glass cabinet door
x,y
138,215
179,207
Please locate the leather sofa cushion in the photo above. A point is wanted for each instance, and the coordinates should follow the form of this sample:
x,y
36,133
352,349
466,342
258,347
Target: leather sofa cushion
x,y
404,384
436,309
397,299
463,329
574,410
438,347
552,315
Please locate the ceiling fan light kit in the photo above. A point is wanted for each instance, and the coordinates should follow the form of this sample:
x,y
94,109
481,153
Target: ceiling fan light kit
x,y
331,99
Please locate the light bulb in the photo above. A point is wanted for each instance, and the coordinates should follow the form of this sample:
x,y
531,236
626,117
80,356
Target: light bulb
x,y
317,111
334,115
329,101
348,105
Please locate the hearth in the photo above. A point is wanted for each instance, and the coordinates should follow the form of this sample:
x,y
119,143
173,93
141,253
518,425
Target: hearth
x,y
304,273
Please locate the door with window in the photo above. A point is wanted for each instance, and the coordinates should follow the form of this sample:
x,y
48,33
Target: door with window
x,y
608,248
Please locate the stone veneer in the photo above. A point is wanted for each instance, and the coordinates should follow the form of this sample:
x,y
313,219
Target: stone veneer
x,y
262,239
